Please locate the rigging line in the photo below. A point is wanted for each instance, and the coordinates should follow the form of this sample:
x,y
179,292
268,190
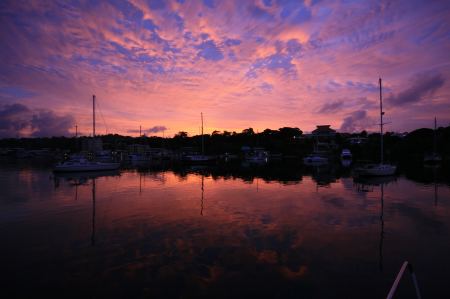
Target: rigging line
x,y
101,114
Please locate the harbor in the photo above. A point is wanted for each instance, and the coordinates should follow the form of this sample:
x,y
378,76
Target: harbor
x,y
225,149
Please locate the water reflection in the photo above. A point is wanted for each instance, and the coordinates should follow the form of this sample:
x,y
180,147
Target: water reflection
x,y
202,198
262,231
367,185
93,213
77,179
82,178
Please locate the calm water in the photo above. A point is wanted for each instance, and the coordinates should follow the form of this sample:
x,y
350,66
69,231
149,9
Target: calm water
x,y
268,232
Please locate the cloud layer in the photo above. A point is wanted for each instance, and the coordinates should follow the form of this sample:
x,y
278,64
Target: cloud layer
x,y
17,120
424,85
253,63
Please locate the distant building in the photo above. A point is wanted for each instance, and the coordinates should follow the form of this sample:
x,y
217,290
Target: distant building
x,y
323,131
325,139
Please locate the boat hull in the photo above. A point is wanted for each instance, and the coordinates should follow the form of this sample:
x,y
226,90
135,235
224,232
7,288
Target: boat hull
x,y
432,159
199,159
376,170
87,167
315,161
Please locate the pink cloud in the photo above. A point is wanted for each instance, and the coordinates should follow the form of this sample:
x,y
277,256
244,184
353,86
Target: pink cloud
x,y
149,65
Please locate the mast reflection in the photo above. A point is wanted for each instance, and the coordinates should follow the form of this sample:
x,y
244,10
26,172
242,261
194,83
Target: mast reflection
x,y
367,185
435,186
93,213
203,191
382,229
82,178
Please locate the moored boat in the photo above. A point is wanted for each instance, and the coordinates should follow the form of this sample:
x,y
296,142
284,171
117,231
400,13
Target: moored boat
x,y
434,157
346,154
315,159
377,169
82,164
196,158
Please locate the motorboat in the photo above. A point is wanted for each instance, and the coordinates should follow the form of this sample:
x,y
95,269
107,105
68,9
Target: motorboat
x,y
346,157
346,154
138,157
258,156
199,158
432,158
314,159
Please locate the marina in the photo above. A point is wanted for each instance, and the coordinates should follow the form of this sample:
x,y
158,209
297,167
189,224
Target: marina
x,y
225,149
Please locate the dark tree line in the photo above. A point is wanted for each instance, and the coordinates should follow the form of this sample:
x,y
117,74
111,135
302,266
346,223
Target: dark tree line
x,y
287,141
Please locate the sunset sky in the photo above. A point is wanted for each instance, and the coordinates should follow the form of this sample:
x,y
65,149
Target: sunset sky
x,y
244,63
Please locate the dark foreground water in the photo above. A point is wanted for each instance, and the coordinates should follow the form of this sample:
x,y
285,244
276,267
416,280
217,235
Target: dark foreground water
x,y
190,233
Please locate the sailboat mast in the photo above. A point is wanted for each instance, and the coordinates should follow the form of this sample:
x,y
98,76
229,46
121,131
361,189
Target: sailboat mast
x,y
203,143
434,135
93,116
381,123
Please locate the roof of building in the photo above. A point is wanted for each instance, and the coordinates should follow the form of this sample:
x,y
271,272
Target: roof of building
x,y
324,130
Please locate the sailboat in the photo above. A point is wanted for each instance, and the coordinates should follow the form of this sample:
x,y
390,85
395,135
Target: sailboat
x,y
200,158
434,157
80,163
381,169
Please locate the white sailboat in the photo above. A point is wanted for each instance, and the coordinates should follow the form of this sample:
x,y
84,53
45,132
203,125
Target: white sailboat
x,y
200,158
381,169
434,157
79,163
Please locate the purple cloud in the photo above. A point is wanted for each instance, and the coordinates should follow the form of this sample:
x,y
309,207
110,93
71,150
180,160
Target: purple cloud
x,y
19,120
13,119
210,51
331,107
356,121
424,85
46,123
157,129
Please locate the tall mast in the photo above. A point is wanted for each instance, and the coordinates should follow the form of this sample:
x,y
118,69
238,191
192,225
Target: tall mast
x,y
381,123
203,143
434,136
93,116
